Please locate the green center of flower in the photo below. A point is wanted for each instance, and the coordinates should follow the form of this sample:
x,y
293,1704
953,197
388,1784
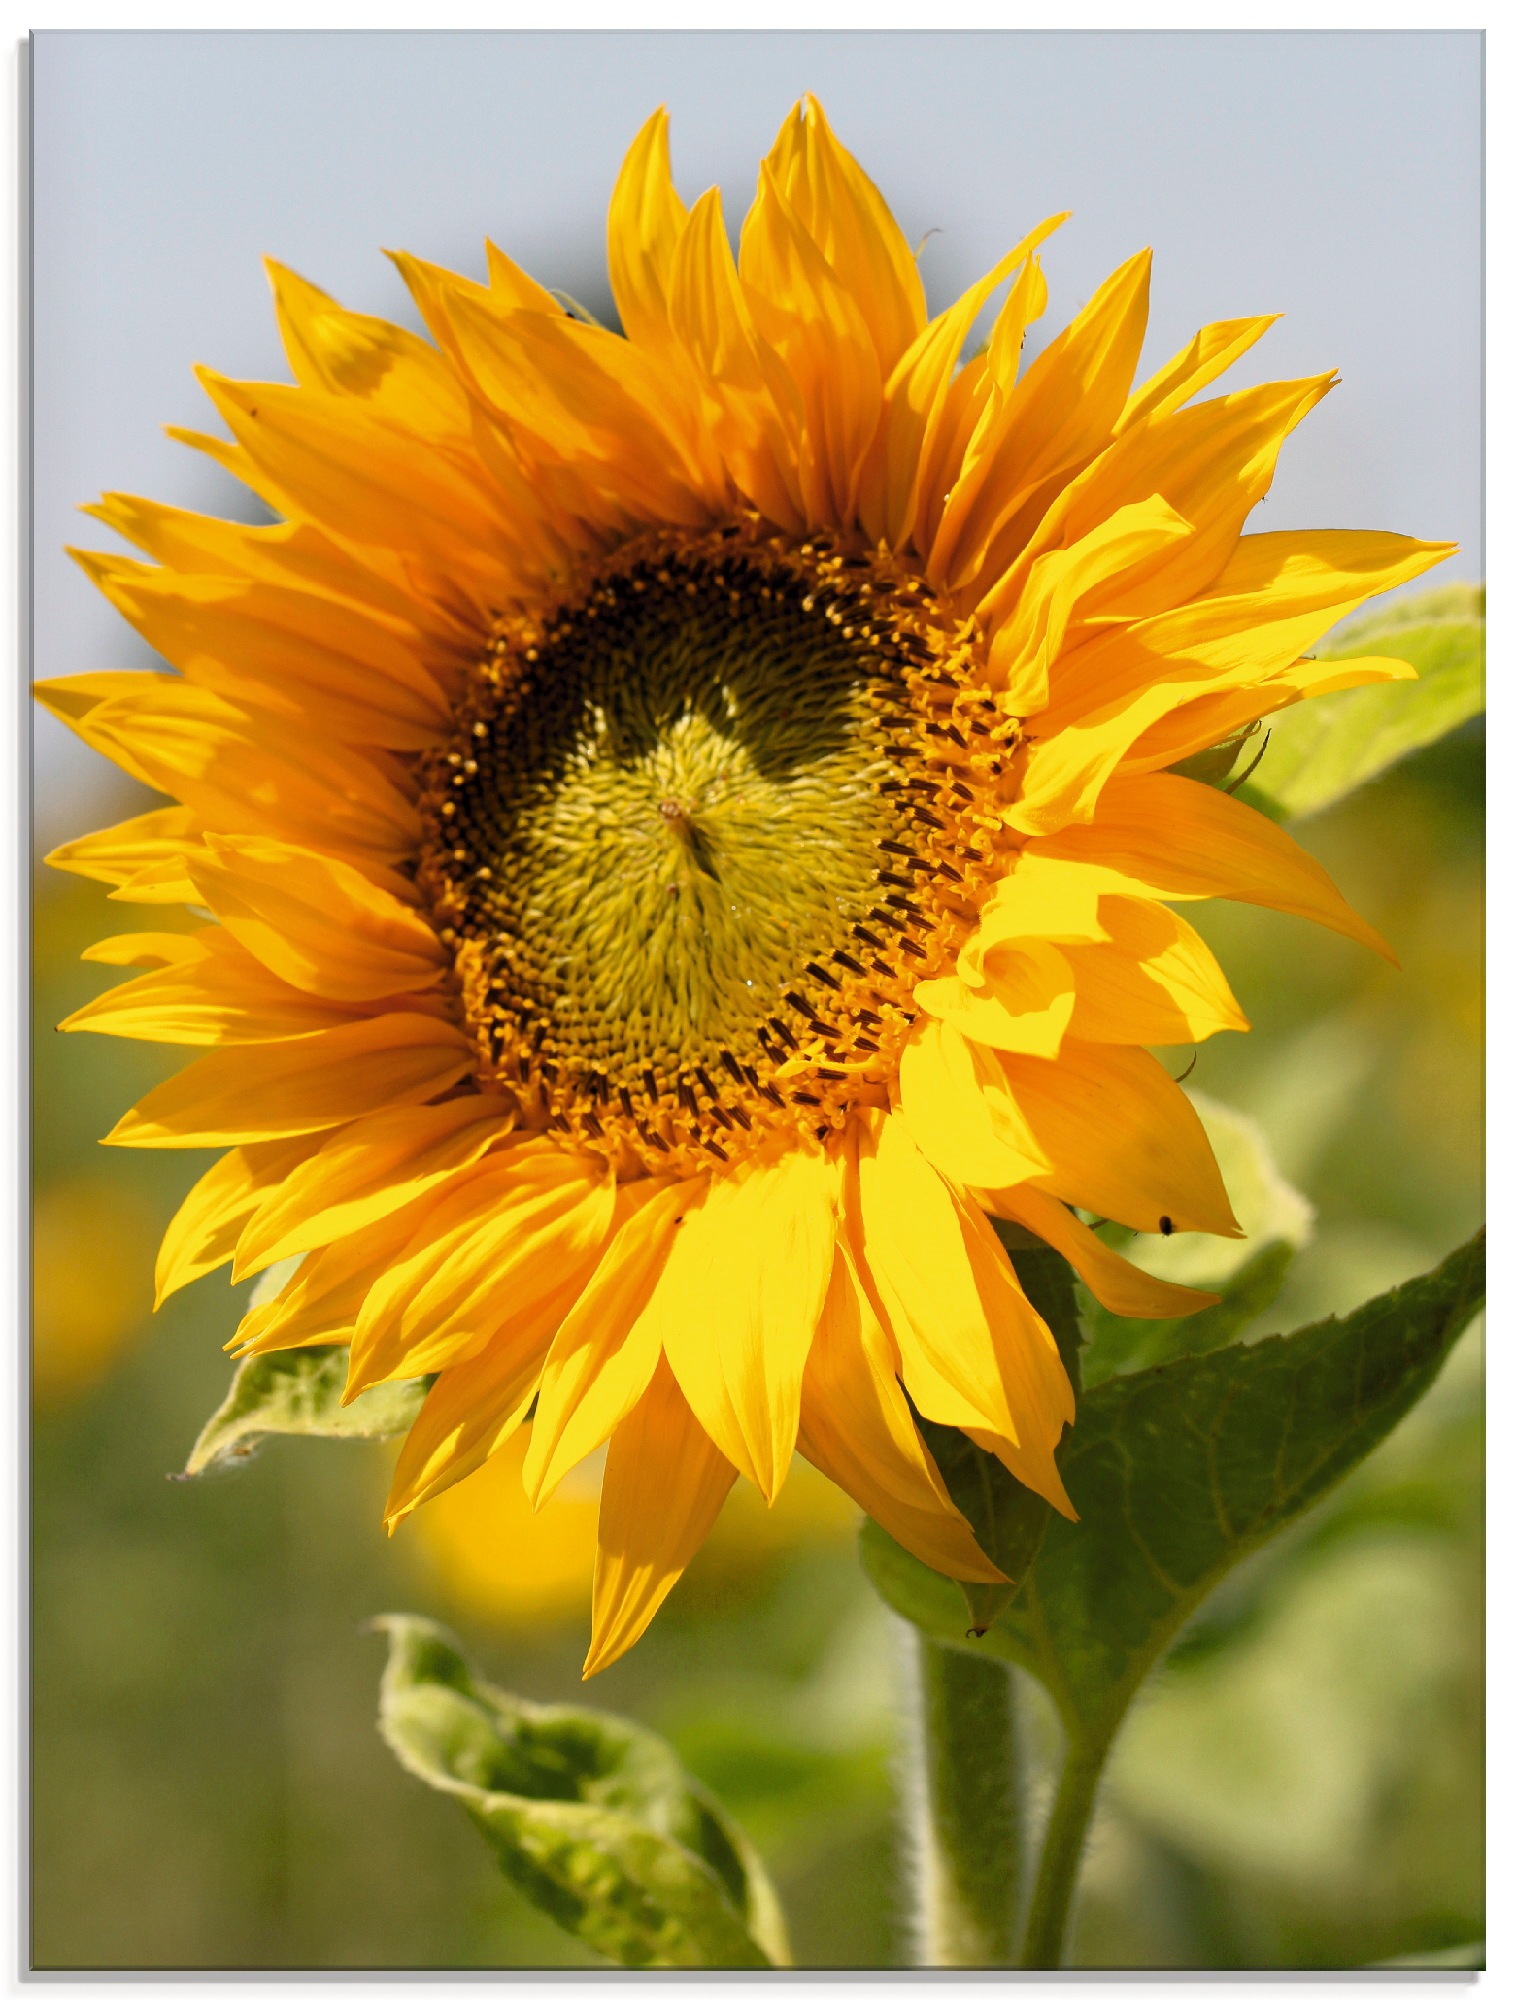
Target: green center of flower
x,y
682,845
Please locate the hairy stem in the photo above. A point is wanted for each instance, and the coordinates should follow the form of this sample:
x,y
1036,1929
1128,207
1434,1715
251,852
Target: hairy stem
x,y
968,1816
1061,1856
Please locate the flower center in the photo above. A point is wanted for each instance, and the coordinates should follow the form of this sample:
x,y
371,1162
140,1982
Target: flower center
x,y
701,830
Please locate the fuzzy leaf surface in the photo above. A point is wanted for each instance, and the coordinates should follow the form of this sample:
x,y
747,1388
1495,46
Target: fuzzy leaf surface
x,y
299,1394
593,1819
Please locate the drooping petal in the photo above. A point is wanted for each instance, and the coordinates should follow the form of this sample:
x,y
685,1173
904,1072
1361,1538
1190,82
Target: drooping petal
x,y
604,1353
665,1482
973,1352
1155,982
472,1408
1120,1287
959,1114
856,1427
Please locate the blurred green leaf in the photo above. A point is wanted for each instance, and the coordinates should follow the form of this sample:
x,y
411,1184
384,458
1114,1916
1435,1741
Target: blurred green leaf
x,y
299,1394
1180,1471
1320,750
593,1818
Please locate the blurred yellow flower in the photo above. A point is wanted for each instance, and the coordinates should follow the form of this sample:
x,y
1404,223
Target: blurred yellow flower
x,y
89,1293
499,1561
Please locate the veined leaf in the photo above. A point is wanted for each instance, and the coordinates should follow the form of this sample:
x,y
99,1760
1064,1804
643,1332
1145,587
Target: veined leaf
x,y
299,1393
1320,750
1121,1346
1179,1472
592,1818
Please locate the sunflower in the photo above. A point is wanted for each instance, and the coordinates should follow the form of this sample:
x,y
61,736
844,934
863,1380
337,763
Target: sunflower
x,y
689,825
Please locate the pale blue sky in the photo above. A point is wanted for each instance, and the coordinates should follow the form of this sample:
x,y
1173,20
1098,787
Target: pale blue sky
x,y
1333,176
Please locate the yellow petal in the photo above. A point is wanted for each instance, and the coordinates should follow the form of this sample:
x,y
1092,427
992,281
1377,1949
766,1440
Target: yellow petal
x,y
915,405
117,853
664,1484
291,554
1120,1287
353,354
1212,464
471,1410
314,921
856,1427
1066,585
147,948
645,222
299,655
1209,353
204,1231
815,326
953,1100
244,775
1155,982
219,997
369,1169
973,1353
1021,1000
275,1092
738,1301
758,416
1061,415
604,1353
1162,835
850,223
523,1225
319,1302
341,464
1122,1137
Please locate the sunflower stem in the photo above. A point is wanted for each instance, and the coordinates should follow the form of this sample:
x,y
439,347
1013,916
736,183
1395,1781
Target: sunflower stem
x,y
968,1818
1062,1855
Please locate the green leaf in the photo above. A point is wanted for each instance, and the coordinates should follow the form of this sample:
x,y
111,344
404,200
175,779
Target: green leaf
x,y
299,1393
1320,750
1120,1346
592,1818
1179,1472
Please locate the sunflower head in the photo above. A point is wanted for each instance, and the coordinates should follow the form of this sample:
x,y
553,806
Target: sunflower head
x,y
689,833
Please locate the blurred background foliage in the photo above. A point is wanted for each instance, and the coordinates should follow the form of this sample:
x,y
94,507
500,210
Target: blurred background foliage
x,y
1299,1786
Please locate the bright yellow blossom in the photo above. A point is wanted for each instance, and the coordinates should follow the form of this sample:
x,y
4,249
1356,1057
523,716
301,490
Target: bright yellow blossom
x,y
688,823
